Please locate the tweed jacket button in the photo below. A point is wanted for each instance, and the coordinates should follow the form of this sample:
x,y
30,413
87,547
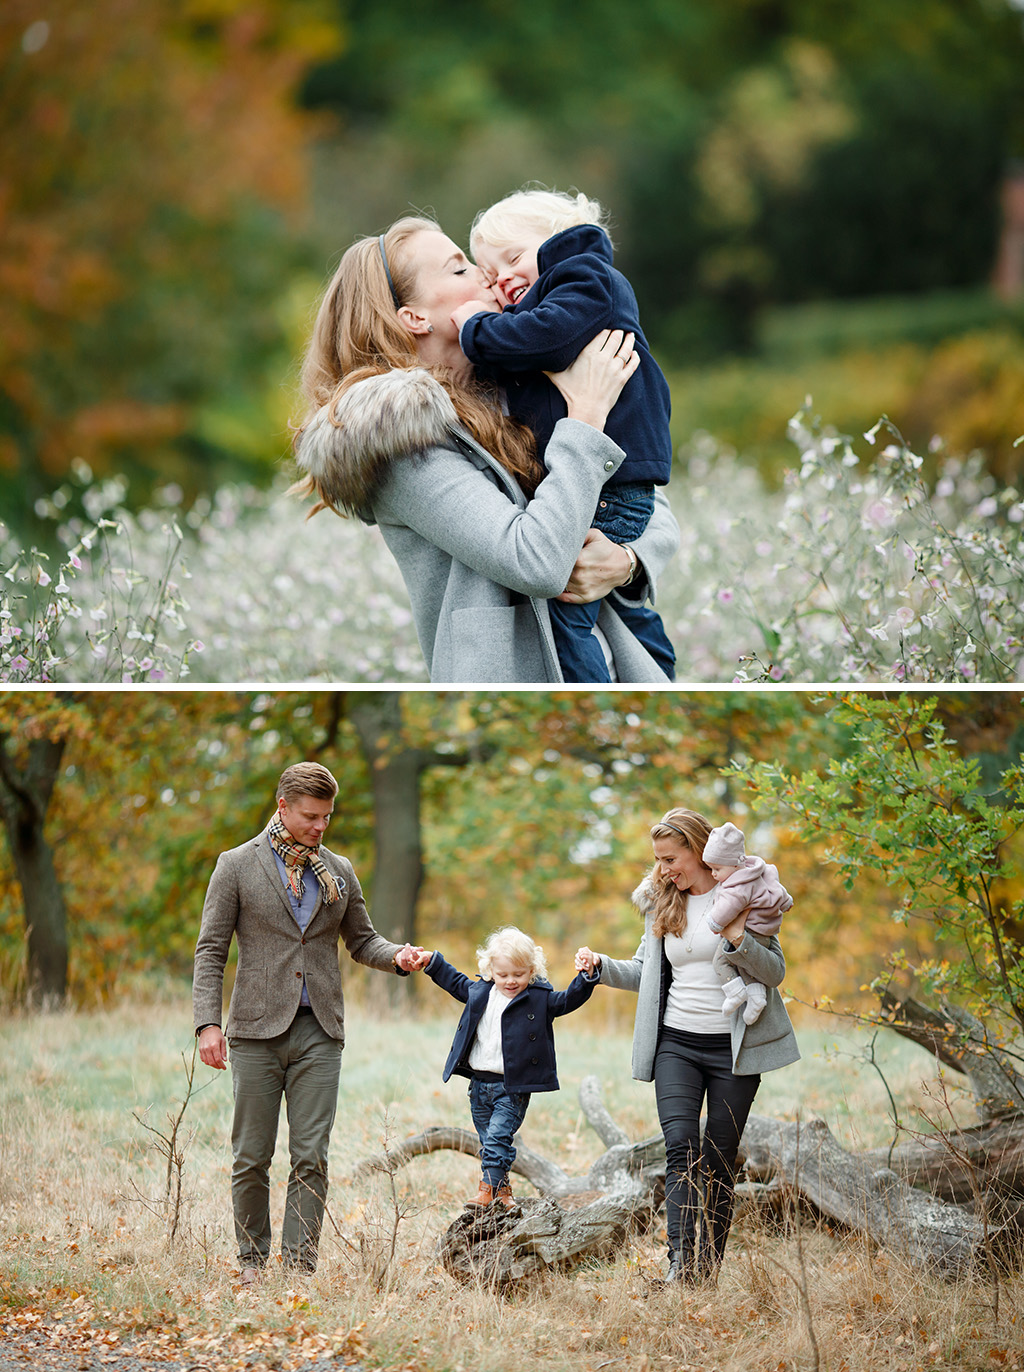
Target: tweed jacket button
x,y
299,975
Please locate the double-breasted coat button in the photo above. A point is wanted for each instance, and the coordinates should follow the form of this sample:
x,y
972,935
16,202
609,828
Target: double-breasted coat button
x,y
531,1015
533,1038
533,1062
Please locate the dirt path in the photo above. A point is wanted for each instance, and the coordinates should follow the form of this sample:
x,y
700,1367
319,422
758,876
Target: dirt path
x,y
40,1342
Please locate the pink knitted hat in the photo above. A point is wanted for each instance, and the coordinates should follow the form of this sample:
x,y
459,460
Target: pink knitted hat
x,y
724,848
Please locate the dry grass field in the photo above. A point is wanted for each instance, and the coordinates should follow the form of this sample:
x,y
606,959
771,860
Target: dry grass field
x,y
85,1260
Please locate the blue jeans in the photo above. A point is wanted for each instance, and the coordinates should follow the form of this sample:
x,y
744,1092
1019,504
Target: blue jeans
x,y
497,1115
622,514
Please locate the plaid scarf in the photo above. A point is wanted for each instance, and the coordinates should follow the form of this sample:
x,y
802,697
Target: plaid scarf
x,y
295,856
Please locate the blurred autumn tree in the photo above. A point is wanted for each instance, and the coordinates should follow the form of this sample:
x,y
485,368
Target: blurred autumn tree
x,y
752,151
152,190
460,810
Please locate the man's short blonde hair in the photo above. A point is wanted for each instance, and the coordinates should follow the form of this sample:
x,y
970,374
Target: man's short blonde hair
x,y
306,779
515,947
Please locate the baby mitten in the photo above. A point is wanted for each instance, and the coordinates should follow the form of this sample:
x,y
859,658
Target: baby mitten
x,y
757,999
735,995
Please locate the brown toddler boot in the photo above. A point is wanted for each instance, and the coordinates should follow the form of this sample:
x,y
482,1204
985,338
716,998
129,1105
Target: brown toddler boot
x,y
504,1195
483,1197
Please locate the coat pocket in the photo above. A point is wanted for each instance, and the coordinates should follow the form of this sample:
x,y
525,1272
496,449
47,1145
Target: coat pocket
x,y
491,643
249,998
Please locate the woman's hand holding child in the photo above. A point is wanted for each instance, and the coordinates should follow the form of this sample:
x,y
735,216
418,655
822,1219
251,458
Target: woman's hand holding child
x,y
588,961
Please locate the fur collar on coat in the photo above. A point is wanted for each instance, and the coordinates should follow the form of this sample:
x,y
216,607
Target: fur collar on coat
x,y
350,443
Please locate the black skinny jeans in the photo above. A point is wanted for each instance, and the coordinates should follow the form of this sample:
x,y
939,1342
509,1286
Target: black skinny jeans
x,y
688,1068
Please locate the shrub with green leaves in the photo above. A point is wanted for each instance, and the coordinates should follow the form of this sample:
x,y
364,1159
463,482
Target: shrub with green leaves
x,y
902,801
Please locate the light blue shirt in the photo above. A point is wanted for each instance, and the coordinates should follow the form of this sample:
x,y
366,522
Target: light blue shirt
x,y
302,910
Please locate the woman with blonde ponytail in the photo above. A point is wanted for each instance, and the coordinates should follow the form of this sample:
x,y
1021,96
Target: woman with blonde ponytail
x,y
402,434
685,1043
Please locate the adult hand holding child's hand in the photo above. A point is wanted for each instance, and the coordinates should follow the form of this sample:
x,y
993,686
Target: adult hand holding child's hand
x,y
587,961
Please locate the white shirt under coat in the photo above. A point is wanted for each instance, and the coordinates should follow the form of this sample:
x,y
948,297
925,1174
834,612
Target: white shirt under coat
x,y
695,995
485,1055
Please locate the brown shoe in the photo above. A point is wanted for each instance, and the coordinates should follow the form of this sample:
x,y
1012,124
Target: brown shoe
x,y
483,1197
504,1196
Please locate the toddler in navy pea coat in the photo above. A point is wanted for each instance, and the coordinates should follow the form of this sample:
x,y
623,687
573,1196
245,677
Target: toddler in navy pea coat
x,y
504,1043
549,261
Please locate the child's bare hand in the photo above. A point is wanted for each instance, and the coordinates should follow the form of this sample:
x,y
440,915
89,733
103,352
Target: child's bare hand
x,y
471,308
587,961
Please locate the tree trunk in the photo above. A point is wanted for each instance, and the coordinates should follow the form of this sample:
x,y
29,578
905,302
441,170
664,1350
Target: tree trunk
x,y
396,768
395,771
962,1042
24,799
499,1247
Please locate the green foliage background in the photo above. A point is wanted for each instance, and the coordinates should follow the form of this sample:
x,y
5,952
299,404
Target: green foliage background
x,y
759,157
546,824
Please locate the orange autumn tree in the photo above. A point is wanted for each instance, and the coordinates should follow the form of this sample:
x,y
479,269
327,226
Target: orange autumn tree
x,y
153,177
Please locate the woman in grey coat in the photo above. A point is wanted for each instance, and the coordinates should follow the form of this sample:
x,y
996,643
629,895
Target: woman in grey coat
x,y
401,434
688,1046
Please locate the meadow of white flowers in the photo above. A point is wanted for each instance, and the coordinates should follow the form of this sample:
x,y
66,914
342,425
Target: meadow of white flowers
x,y
857,570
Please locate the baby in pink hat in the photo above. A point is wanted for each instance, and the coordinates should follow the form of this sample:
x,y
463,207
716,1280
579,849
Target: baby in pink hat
x,y
748,887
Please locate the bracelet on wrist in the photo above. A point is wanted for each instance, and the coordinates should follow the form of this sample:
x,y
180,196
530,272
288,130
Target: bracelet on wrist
x,y
634,565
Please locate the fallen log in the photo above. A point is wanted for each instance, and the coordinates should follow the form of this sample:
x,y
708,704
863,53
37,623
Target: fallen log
x,y
962,1042
784,1162
868,1199
624,1169
967,1166
499,1247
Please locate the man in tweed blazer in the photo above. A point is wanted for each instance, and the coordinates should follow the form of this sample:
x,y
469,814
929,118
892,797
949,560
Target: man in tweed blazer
x,y
287,901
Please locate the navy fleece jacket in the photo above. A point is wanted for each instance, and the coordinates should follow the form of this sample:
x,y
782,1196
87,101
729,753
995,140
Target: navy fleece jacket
x,y
577,293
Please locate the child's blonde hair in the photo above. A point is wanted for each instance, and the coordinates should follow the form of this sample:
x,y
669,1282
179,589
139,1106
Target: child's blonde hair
x,y
517,948
537,211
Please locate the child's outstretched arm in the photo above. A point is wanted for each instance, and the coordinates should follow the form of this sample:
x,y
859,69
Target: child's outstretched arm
x,y
577,993
446,976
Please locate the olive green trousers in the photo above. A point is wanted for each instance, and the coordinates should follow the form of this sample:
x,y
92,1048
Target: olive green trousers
x,y
303,1065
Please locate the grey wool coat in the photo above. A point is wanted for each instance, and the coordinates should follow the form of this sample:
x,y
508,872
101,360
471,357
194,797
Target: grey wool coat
x,y
759,1047
246,899
479,560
